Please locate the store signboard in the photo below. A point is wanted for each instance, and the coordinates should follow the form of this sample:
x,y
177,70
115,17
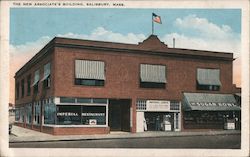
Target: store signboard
x,y
157,105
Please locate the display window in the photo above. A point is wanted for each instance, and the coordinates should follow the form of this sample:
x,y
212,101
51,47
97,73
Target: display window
x,y
37,113
81,115
49,113
29,113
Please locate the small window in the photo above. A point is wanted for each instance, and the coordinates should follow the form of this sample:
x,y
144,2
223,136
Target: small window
x,y
84,100
88,82
67,100
35,88
17,90
152,85
36,82
46,76
100,101
28,85
46,82
22,87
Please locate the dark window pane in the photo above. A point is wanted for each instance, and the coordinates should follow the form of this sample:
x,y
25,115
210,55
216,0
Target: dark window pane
x,y
35,88
68,114
83,100
100,101
67,100
87,82
17,90
152,85
28,85
92,114
22,87
208,87
47,82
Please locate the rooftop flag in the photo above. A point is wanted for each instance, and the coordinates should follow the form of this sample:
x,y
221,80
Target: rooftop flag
x,y
156,18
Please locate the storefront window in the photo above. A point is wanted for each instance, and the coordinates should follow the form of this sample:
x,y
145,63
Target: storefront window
x,y
29,113
22,114
93,115
204,119
49,113
81,115
17,114
68,115
37,113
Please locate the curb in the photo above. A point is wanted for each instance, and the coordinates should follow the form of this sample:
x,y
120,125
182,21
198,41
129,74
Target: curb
x,y
125,137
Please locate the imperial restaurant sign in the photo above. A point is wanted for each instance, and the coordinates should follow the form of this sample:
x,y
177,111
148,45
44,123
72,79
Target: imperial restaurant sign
x,y
210,104
157,105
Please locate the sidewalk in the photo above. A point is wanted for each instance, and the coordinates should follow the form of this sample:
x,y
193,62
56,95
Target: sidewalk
x,y
26,135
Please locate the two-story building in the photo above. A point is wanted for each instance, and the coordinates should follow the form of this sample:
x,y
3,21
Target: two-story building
x,y
74,86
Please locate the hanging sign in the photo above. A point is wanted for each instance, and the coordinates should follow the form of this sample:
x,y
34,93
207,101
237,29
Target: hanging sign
x,y
157,105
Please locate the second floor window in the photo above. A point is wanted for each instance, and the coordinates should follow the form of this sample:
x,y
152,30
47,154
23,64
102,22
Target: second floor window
x,y
36,82
22,87
46,76
28,85
89,73
208,79
152,76
17,90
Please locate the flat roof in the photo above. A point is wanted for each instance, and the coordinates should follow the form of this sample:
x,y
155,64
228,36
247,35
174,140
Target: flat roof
x,y
150,46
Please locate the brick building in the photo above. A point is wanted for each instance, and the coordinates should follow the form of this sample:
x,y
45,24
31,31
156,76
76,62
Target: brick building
x,y
74,86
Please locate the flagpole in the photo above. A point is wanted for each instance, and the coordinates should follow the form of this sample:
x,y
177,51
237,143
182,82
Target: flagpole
x,y
152,25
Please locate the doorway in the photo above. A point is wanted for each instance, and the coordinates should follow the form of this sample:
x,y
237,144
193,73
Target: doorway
x,y
119,114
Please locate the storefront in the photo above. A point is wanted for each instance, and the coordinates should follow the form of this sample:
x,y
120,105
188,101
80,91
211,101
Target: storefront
x,y
158,115
210,111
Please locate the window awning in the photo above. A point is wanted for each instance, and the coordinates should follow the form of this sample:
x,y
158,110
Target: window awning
x,y
153,73
46,73
208,77
210,102
85,69
36,78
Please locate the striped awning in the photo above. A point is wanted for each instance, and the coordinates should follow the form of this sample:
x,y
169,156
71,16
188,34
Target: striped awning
x,y
208,77
210,102
153,73
86,69
36,78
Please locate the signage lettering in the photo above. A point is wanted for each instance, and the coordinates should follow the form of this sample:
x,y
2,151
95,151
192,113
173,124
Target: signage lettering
x,y
67,114
93,114
157,105
212,104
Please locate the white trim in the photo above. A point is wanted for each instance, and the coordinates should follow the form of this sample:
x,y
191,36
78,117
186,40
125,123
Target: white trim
x,y
82,104
76,126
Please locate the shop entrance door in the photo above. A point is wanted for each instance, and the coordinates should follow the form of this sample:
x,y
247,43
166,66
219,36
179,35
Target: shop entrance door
x,y
119,114
157,121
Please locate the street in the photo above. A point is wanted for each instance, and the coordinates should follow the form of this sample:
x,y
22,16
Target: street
x,y
204,141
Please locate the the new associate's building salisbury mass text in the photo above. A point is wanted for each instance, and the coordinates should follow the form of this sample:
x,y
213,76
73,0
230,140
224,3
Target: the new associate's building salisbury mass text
x,y
75,86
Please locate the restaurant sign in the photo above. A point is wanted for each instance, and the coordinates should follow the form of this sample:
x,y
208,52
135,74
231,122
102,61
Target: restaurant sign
x,y
77,114
157,105
210,104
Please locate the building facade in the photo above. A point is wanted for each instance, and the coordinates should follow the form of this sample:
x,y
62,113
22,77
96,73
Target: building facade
x,y
75,86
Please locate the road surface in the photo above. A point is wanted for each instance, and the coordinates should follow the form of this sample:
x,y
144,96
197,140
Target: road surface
x,y
208,141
